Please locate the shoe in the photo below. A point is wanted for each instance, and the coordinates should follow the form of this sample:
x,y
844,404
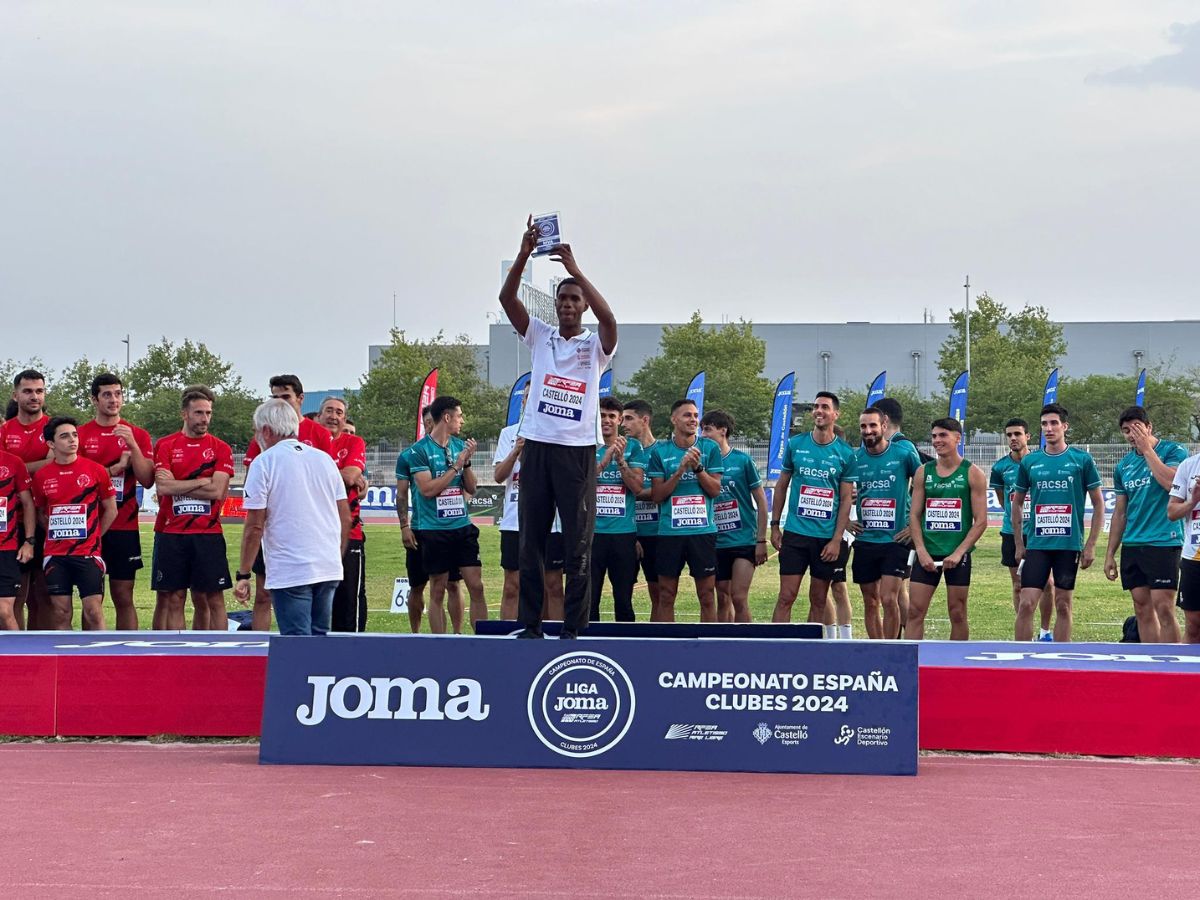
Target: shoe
x,y
1047,637
530,633
566,635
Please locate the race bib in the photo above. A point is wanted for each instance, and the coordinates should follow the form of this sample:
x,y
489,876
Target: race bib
x,y
450,504
689,512
1194,531
118,483
3,515
1025,508
943,514
514,491
878,513
190,506
645,511
814,502
1052,520
68,522
610,501
727,515
562,398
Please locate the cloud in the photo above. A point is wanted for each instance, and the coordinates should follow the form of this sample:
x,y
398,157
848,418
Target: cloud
x,y
1181,68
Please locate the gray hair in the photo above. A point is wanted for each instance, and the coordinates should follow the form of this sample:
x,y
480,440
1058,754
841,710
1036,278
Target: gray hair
x,y
278,417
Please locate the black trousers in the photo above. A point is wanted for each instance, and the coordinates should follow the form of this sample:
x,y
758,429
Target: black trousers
x,y
563,480
350,598
616,555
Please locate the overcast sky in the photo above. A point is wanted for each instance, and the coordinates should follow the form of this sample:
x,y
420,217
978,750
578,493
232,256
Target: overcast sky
x,y
262,176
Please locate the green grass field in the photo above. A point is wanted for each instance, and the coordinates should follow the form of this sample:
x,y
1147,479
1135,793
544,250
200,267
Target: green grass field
x,y
1100,606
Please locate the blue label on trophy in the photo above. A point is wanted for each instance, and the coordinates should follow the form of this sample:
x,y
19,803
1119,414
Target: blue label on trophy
x,y
549,235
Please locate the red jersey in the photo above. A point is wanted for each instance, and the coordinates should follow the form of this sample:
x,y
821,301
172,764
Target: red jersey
x,y
97,443
185,458
71,497
349,450
312,433
13,480
25,441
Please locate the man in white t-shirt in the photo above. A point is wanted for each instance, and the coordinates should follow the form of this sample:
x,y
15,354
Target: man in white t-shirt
x,y
295,502
1184,503
561,428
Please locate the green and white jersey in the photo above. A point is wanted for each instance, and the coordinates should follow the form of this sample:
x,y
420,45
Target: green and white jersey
x,y
737,522
815,493
1057,485
1146,522
403,473
614,501
948,511
688,510
882,482
448,510
1003,480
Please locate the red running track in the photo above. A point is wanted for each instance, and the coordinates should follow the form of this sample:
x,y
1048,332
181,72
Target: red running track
x,y
131,820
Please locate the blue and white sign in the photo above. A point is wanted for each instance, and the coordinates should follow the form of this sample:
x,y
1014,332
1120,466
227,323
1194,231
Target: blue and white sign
x,y
549,234
712,705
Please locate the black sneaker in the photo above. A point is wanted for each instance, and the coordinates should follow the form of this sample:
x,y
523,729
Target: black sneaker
x,y
530,633
566,635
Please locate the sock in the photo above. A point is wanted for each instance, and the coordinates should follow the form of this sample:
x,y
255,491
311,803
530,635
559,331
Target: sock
x,y
1042,632
844,632
829,632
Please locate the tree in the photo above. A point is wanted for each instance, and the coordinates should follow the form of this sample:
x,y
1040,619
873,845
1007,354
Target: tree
x,y
1096,402
919,411
1011,355
733,359
70,393
384,408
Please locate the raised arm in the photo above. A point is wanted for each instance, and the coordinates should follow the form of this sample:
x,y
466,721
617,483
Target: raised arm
x,y
517,314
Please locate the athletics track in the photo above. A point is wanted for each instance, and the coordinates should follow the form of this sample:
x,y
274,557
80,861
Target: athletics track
x,y
126,820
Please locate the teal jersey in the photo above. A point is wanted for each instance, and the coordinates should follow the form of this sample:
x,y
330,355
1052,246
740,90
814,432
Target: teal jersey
x,y
1146,521
688,510
1057,485
1003,481
734,510
817,472
403,473
646,511
882,482
448,510
614,501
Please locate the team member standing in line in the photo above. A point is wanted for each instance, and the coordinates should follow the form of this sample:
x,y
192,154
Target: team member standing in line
x,y
1056,480
620,469
741,534
18,517
126,451
23,436
192,469
560,425
637,418
1185,498
349,611
815,484
1150,543
77,504
685,470
949,516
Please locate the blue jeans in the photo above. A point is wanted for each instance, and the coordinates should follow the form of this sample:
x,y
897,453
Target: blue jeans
x,y
305,608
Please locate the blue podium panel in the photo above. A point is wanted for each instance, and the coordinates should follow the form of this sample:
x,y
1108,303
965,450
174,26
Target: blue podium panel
x,y
702,705
777,631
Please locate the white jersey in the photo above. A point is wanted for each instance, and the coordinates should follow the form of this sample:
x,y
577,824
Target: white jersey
x,y
564,386
1181,488
512,486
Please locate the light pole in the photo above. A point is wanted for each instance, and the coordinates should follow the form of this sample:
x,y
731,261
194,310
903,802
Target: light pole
x,y
125,340
967,291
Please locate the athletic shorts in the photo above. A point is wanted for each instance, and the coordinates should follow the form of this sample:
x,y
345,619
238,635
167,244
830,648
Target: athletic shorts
x,y
259,566
451,548
83,573
1008,551
1189,586
959,576
649,545
415,569
872,561
190,561
699,551
510,551
10,574
39,545
801,553
122,552
726,557
1154,567
1039,564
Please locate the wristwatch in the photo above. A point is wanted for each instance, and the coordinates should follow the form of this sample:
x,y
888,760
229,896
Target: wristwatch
x,y
699,468
241,576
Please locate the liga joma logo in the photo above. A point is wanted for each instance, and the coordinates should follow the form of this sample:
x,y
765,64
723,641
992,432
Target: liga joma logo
x,y
581,704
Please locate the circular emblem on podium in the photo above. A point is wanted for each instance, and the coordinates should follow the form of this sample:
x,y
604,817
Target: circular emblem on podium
x,y
581,704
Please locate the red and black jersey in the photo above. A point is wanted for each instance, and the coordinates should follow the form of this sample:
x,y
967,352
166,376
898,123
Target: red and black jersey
x,y
71,497
349,450
185,458
14,479
25,441
312,433
98,443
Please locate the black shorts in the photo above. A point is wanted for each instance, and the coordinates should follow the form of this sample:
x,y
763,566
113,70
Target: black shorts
x,y
10,574
259,566
801,553
1154,567
122,552
726,557
83,573
190,561
452,548
1008,551
1189,586
39,545
415,569
510,551
872,561
699,551
1039,564
649,545
959,576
